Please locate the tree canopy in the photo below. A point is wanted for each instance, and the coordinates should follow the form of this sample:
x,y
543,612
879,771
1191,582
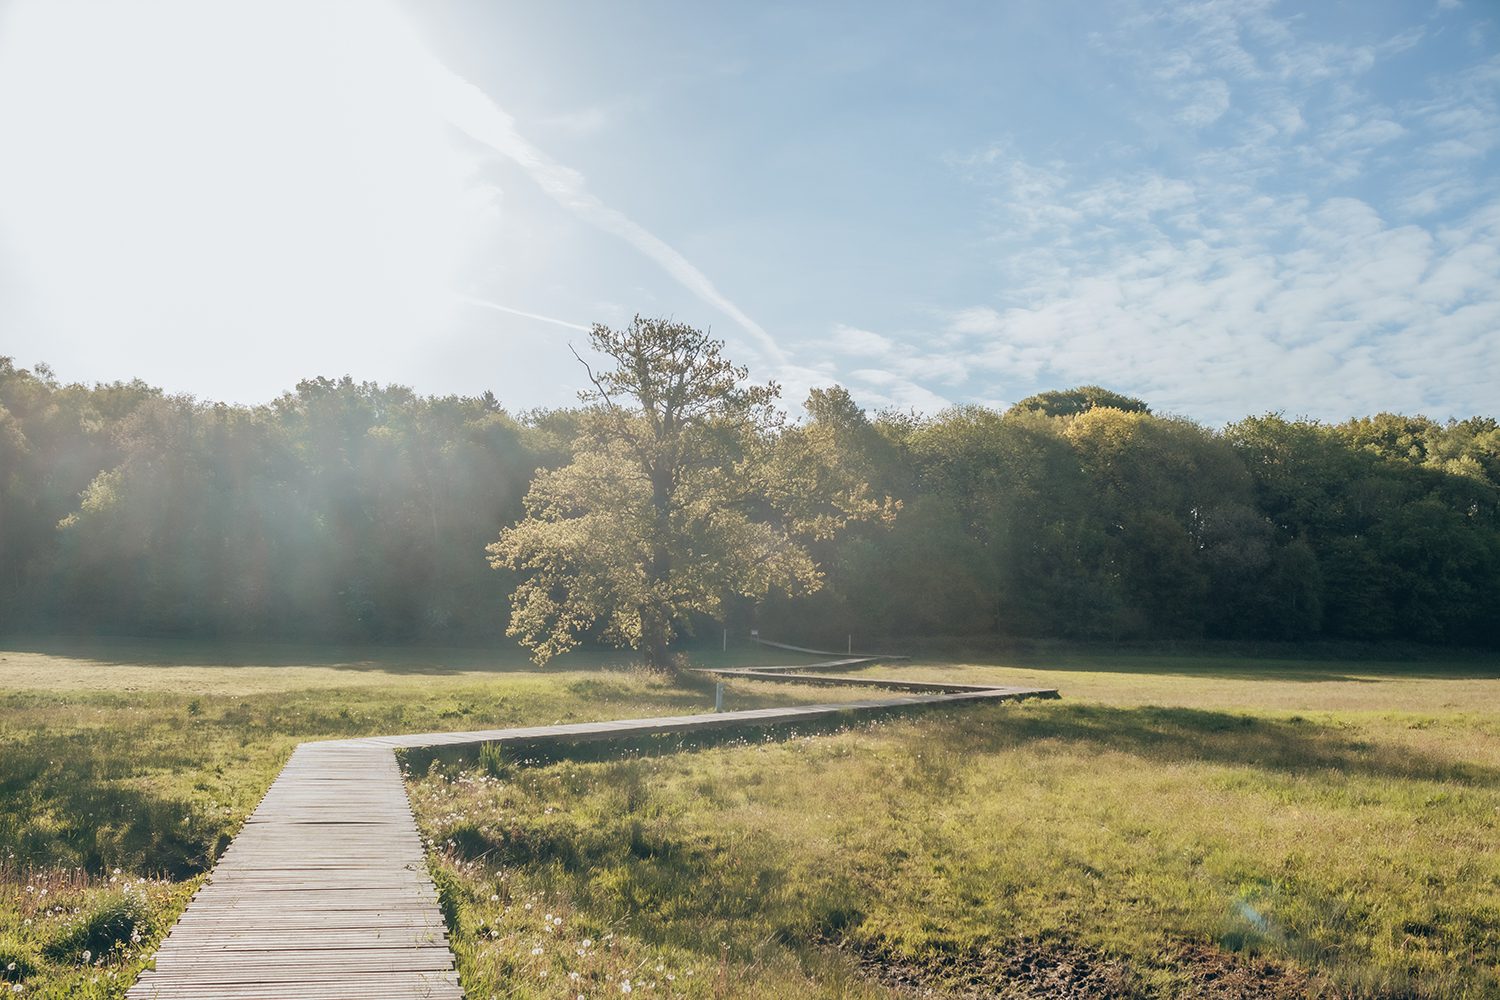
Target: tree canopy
x,y
349,510
1071,402
673,501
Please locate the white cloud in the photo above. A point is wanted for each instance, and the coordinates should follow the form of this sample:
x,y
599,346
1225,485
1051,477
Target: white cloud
x,y
878,389
913,361
1209,101
1273,260
1330,314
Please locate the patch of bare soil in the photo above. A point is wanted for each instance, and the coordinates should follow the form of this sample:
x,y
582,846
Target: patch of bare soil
x,y
1032,969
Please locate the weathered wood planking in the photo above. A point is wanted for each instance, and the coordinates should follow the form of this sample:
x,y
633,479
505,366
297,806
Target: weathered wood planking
x,y
325,895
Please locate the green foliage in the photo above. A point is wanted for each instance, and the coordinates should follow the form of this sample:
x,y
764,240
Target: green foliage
x,y
669,503
677,495
447,893
125,510
492,760
1072,402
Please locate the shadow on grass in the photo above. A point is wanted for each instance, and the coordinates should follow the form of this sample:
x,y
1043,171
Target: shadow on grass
x,y
67,809
1176,735
1299,663
231,653
1173,735
416,659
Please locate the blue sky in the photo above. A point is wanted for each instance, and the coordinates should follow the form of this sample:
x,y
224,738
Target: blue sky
x,y
1222,207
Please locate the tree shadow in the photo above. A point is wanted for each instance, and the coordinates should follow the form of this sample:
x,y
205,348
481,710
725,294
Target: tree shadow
x,y
1180,735
1297,664
1165,735
415,660
70,809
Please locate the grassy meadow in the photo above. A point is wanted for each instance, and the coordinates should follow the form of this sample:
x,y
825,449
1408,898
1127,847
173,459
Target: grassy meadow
x,y
1175,826
127,765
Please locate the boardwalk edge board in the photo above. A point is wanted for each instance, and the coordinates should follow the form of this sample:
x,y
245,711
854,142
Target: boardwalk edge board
x,y
325,892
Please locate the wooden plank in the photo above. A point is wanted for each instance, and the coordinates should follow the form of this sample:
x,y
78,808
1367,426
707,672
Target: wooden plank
x,y
786,675
324,894
822,652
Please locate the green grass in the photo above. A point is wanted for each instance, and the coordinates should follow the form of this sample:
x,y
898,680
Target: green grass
x,y
146,757
1338,819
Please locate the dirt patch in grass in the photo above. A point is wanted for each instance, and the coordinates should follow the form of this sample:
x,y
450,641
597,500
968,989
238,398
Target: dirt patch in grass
x,y
1033,969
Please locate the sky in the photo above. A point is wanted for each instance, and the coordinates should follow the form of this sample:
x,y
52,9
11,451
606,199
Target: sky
x,y
1224,208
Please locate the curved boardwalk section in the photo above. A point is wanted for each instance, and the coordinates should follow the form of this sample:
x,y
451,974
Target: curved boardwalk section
x,y
325,893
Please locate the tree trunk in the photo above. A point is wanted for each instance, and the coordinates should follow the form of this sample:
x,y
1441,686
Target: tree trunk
x,y
656,621
654,639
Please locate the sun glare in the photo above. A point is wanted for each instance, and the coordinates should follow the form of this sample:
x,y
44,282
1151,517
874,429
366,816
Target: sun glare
x,y
257,173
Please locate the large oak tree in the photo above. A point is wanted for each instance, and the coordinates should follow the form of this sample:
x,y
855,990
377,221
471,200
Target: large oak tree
x,y
681,492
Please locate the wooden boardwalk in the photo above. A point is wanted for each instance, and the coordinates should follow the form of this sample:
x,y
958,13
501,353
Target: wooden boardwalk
x,y
325,894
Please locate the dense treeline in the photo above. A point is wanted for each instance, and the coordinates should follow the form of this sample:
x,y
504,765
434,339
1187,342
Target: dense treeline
x,y
351,510
339,509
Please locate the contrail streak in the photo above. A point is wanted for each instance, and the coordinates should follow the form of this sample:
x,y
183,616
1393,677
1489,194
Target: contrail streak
x,y
486,304
471,110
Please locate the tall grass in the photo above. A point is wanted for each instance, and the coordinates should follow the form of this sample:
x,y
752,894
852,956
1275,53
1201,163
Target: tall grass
x,y
1148,850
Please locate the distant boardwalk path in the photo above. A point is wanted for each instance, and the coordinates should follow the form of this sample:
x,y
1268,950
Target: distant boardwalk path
x,y
325,895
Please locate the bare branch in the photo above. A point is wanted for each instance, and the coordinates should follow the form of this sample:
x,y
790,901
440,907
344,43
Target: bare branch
x,y
621,425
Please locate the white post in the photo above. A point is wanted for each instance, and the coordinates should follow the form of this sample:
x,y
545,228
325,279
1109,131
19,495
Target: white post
x,y
726,640
851,643
719,697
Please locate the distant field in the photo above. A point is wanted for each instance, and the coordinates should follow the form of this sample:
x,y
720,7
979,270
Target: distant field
x,y
1172,824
